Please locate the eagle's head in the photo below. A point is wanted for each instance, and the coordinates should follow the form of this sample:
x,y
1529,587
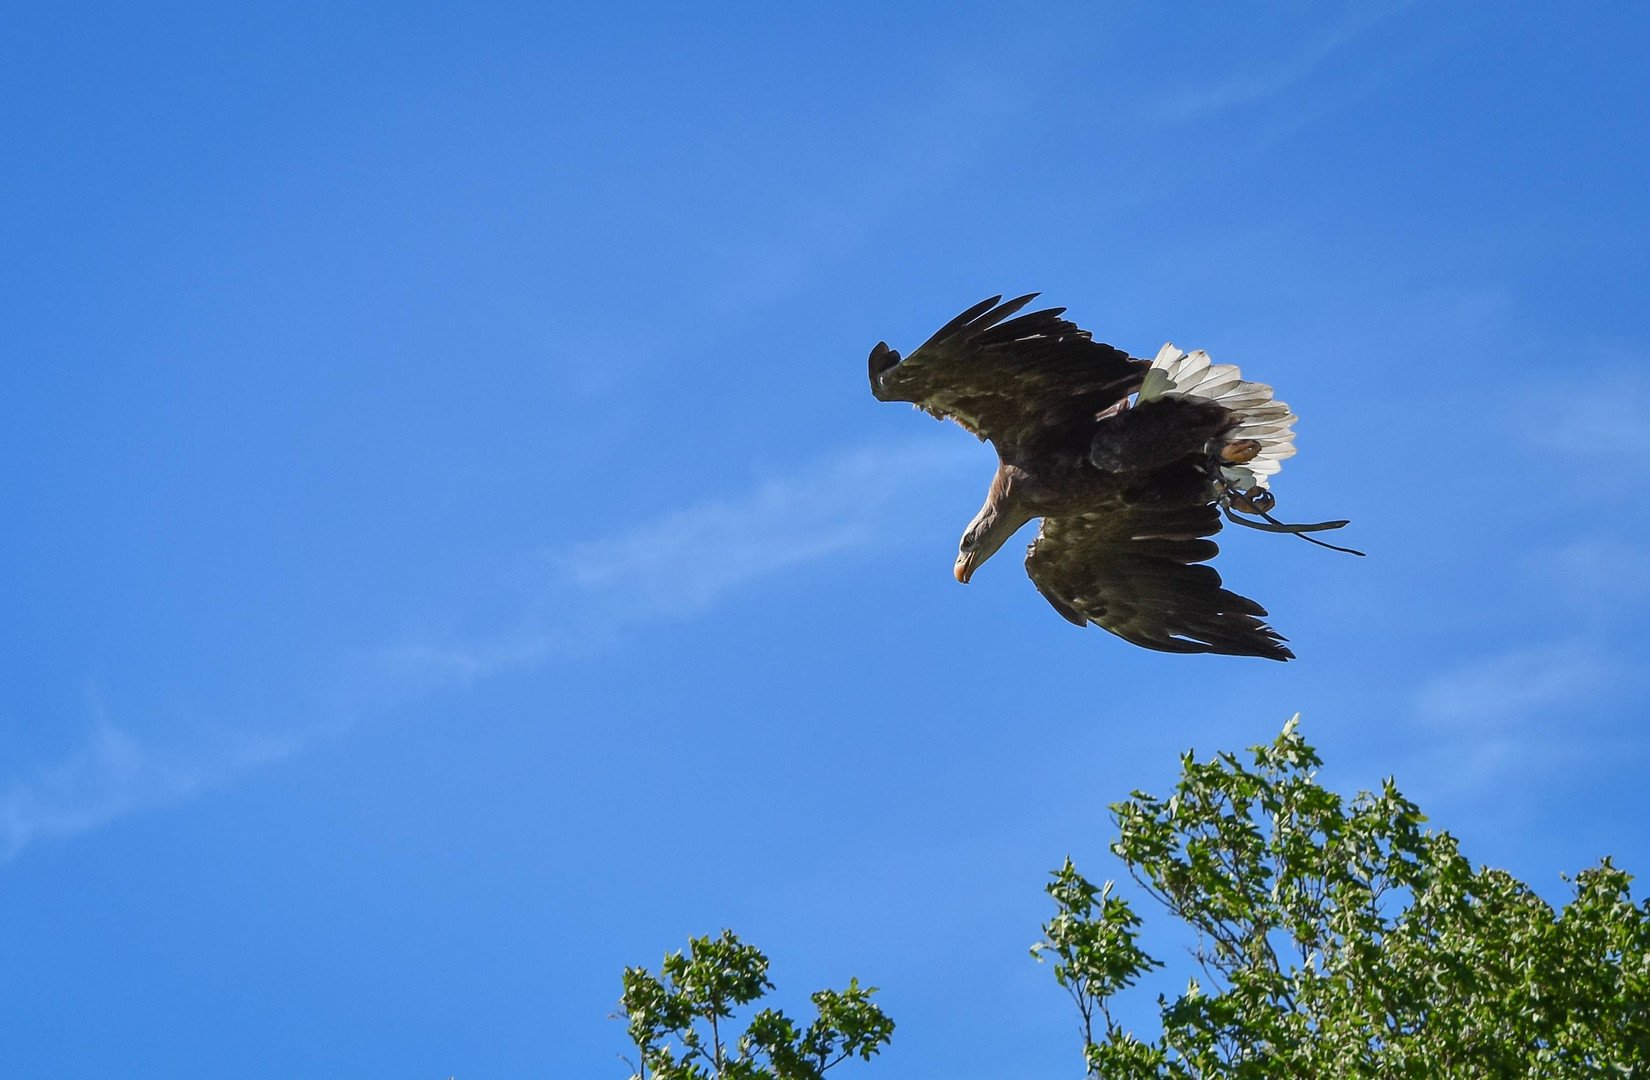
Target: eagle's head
x,y
986,534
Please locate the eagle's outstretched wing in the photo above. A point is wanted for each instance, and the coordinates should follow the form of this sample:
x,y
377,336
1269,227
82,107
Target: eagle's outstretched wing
x,y
1134,571
1008,381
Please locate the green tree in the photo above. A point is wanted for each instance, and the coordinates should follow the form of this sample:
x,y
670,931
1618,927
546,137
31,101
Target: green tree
x,y
680,1021
1338,938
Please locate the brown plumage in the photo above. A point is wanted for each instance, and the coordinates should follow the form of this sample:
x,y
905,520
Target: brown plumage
x,y
1128,490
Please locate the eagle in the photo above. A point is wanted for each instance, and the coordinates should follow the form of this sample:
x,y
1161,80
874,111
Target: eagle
x,y
1130,464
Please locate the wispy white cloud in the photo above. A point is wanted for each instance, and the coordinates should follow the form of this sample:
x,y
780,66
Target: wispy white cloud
x,y
1603,419
686,560
113,774
682,563
674,566
1195,102
1499,690
1498,713
1602,574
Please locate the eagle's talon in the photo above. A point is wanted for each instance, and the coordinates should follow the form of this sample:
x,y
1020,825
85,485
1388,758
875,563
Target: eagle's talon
x,y
1257,501
1240,452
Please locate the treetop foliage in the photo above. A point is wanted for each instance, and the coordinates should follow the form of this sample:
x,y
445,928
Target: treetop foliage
x,y
1338,938
679,1020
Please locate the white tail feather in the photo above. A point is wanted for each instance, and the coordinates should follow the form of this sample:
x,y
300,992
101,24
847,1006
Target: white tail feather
x,y
1259,416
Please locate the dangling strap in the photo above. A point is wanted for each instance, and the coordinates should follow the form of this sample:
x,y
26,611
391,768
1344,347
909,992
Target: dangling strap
x,y
1277,526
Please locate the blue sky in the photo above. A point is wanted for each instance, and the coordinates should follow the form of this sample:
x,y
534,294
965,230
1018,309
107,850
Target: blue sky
x,y
450,551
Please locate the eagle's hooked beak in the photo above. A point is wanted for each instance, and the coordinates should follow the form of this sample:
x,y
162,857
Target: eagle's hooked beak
x,y
965,567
